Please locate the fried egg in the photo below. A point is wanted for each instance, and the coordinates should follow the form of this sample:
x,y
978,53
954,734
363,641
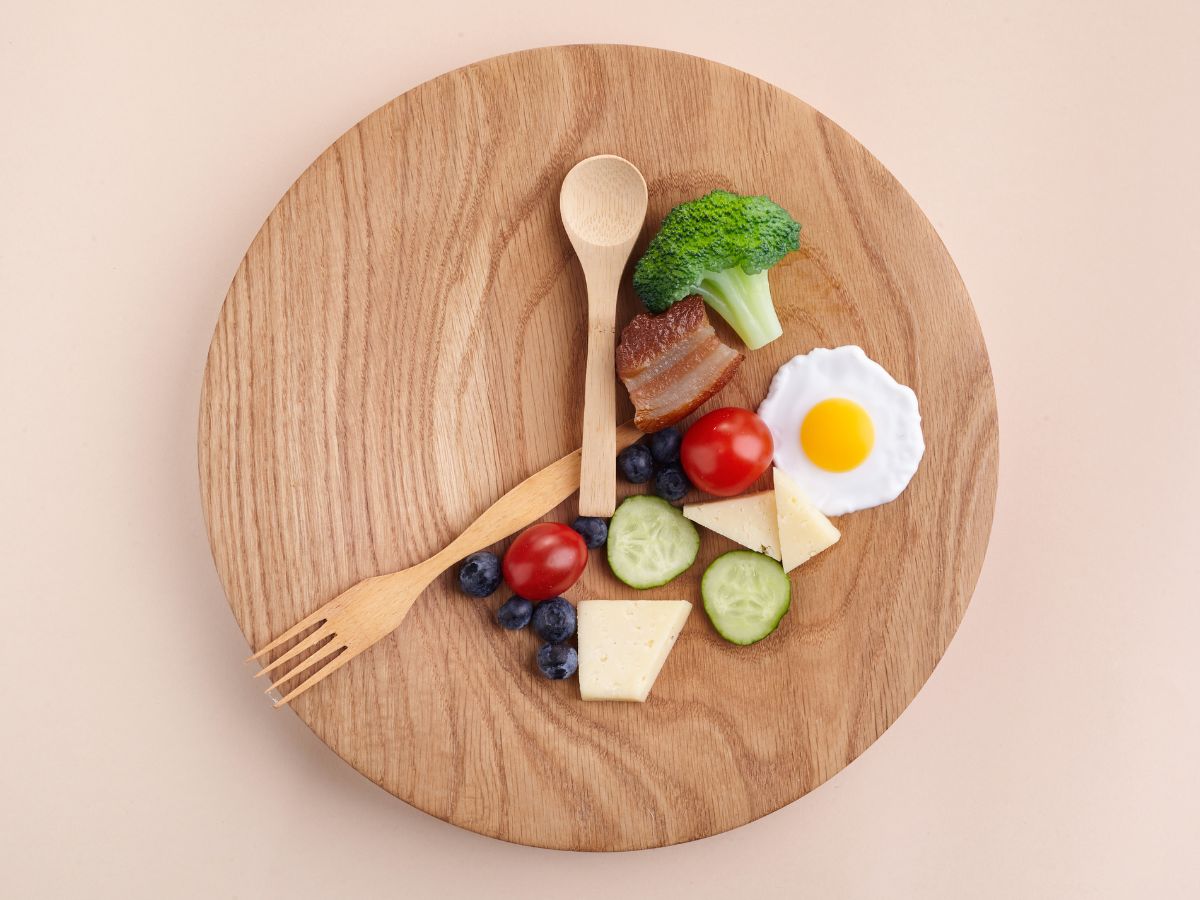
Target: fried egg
x,y
844,429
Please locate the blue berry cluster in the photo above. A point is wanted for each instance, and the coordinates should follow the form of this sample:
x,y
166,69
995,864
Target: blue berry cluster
x,y
554,622
657,458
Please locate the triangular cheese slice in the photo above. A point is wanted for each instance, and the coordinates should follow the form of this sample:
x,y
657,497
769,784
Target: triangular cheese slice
x,y
750,520
803,529
623,645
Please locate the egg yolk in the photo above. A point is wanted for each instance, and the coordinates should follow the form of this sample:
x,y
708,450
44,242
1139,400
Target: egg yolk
x,y
837,435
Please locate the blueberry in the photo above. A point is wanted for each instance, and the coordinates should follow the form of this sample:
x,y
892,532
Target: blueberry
x,y
554,620
514,613
664,446
635,464
557,661
593,531
479,575
671,484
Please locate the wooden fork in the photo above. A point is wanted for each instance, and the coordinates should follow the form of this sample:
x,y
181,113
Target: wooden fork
x,y
357,618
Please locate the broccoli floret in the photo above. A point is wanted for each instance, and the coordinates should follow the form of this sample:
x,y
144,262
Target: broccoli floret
x,y
720,247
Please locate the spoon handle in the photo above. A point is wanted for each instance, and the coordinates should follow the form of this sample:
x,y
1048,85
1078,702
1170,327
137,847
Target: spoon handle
x,y
598,475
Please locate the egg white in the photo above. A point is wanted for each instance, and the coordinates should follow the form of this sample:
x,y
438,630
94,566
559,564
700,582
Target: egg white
x,y
803,382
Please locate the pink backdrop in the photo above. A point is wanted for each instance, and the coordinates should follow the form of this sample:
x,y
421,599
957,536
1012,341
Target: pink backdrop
x,y
1054,751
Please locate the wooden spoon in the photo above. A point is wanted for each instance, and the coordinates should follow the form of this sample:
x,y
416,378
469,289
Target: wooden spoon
x,y
603,206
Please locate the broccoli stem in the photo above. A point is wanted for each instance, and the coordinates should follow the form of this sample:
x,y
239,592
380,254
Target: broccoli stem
x,y
744,301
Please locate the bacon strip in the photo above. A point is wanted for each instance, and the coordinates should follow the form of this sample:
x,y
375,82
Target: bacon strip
x,y
673,362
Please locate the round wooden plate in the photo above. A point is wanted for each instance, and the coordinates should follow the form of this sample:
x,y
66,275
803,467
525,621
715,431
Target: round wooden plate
x,y
404,341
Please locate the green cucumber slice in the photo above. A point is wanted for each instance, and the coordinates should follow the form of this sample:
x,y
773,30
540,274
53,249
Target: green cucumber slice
x,y
650,542
745,595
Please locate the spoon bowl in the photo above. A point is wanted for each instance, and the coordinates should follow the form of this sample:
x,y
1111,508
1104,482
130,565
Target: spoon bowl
x,y
603,202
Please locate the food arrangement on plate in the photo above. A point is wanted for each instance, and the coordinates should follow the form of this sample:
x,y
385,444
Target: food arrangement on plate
x,y
837,433
369,420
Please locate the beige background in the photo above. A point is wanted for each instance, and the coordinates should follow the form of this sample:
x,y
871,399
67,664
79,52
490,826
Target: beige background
x,y
1054,752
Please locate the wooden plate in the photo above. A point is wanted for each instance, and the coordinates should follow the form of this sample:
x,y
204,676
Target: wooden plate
x,y
404,341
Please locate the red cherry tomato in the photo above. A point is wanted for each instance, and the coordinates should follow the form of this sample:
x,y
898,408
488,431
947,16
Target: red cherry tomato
x,y
544,561
726,450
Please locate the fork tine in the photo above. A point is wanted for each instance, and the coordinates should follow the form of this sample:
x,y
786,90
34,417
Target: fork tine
x,y
307,622
315,638
321,656
328,669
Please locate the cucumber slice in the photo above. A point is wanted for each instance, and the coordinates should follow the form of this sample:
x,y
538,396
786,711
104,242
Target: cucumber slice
x,y
650,542
745,595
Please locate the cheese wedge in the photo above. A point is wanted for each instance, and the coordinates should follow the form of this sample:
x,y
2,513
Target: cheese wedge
x,y
623,645
803,529
750,520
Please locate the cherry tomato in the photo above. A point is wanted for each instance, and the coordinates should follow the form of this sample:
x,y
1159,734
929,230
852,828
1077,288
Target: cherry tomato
x,y
726,450
544,561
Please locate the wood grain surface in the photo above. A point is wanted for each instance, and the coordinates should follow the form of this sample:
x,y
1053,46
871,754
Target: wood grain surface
x,y
404,341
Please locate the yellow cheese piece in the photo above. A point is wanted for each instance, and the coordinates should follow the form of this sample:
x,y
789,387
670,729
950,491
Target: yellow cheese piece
x,y
623,645
750,520
803,529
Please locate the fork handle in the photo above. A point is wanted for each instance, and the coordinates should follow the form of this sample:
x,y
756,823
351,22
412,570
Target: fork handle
x,y
529,500
380,603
